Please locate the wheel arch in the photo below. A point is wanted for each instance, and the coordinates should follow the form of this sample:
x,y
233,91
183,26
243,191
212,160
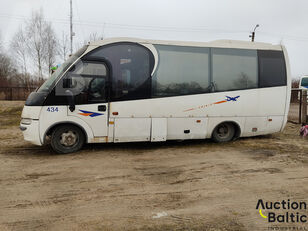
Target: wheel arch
x,y
55,125
235,124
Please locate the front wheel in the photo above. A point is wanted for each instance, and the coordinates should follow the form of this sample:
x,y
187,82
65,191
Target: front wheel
x,y
67,139
224,132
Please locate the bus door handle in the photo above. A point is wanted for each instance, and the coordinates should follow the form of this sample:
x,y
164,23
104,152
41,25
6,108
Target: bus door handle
x,y
101,108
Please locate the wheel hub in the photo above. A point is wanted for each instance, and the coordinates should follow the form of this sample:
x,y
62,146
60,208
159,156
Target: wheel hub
x,y
223,131
68,138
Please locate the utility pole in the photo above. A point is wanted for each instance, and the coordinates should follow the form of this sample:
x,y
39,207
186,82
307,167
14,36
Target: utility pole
x,y
71,25
252,35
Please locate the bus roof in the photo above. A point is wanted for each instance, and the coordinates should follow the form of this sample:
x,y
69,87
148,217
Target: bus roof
x,y
216,43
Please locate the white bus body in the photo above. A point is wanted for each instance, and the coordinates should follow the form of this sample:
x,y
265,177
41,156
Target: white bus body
x,y
126,90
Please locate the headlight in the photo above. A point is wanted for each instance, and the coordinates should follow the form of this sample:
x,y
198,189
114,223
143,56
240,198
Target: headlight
x,y
26,121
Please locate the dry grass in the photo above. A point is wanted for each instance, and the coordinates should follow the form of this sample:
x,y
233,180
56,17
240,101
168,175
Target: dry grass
x,y
10,116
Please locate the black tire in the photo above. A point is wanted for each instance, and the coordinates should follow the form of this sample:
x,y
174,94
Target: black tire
x,y
67,139
223,132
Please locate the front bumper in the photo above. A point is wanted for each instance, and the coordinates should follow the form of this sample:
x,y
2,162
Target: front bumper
x,y
31,132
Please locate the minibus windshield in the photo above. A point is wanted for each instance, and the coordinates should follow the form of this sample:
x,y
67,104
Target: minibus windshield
x,y
49,83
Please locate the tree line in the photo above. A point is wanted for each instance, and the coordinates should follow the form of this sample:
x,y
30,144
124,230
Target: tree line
x,y
34,49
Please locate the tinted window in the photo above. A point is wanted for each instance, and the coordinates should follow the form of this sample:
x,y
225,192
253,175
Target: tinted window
x,y
181,71
92,69
304,82
131,70
234,69
272,68
86,81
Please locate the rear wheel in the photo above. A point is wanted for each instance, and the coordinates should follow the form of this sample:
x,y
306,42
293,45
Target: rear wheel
x,y
224,132
67,139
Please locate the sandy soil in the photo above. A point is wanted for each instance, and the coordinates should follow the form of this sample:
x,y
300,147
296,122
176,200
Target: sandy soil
x,y
191,185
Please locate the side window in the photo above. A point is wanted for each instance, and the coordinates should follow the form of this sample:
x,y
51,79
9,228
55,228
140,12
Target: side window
x,y
86,81
304,82
132,65
272,68
181,71
97,90
234,69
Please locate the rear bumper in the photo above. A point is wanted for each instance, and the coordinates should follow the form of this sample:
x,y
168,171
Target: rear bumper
x,y
31,132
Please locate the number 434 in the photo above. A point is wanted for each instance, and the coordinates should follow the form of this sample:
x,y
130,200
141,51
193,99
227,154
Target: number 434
x,y
52,109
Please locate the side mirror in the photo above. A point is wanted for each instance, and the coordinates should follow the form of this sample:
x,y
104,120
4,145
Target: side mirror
x,y
71,102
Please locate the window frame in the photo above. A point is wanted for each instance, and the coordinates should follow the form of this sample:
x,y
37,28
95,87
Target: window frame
x,y
110,81
236,89
54,99
106,77
151,66
284,67
209,63
108,74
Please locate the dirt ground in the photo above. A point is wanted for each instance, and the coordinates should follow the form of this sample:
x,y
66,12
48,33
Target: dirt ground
x,y
190,185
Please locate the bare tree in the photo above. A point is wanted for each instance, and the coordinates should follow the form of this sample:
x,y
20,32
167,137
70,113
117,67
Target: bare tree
x,y
50,46
0,42
64,46
92,37
36,50
4,61
19,49
7,69
42,43
10,75
35,43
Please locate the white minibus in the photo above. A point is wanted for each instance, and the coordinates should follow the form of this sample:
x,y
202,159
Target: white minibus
x,y
132,90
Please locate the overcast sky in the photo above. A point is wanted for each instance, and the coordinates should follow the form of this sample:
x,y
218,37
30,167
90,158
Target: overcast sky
x,y
281,21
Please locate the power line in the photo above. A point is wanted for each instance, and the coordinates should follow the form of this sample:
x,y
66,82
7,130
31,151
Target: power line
x,y
155,28
130,26
284,36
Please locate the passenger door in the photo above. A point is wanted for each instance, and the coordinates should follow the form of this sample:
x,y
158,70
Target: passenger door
x,y
88,82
